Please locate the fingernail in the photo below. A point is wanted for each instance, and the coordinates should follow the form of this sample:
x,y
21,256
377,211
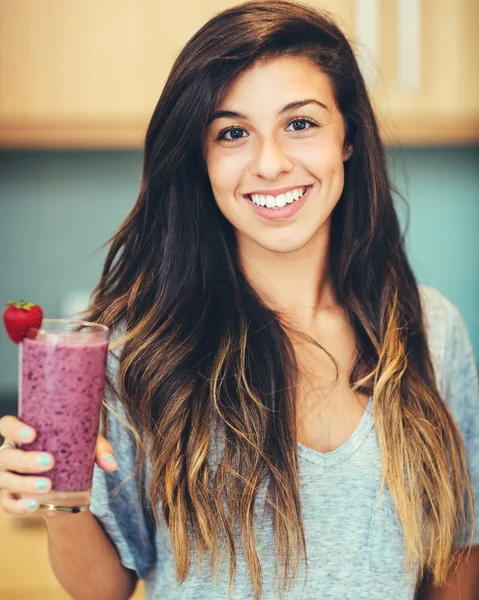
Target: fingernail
x,y
26,433
109,458
41,484
43,460
31,505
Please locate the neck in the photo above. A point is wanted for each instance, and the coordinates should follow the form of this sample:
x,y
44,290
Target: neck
x,y
296,284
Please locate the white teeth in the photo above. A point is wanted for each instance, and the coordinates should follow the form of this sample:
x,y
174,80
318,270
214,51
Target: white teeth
x,y
270,201
278,201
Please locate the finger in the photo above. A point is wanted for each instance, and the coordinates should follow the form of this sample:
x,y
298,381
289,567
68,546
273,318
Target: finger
x,y
12,428
25,506
105,457
24,485
26,461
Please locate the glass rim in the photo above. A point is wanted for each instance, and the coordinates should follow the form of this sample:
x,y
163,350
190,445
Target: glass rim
x,y
88,324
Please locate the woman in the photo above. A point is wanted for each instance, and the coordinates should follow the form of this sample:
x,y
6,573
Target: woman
x,y
284,394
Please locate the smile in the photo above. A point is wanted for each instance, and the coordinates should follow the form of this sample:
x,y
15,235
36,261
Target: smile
x,y
281,207
280,200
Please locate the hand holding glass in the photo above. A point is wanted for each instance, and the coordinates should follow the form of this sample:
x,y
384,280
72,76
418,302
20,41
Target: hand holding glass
x,y
61,379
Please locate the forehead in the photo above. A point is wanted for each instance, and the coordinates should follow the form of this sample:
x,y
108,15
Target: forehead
x,y
275,82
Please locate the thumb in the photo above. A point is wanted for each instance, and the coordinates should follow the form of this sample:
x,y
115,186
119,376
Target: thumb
x,y
105,456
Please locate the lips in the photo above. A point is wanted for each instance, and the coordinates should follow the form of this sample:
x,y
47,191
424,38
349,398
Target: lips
x,y
276,192
282,213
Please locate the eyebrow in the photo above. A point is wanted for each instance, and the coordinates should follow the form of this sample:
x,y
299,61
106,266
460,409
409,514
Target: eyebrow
x,y
291,106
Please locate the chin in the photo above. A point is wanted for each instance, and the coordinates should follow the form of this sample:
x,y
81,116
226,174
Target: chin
x,y
283,246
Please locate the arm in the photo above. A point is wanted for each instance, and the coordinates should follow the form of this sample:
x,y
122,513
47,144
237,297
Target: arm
x,y
462,585
85,561
458,382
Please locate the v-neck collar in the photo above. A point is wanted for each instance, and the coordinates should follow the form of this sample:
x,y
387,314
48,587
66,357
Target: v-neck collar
x,y
343,452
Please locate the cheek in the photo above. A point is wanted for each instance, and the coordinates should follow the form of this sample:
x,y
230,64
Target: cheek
x,y
321,159
329,172
224,182
334,180
224,172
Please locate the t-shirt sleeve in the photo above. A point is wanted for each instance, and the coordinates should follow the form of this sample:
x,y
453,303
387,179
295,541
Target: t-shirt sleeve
x,y
118,508
462,395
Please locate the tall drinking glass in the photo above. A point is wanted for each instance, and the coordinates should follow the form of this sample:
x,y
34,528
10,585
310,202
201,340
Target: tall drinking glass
x,y
61,377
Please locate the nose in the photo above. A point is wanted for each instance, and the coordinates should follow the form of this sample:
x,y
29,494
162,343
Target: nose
x,y
270,160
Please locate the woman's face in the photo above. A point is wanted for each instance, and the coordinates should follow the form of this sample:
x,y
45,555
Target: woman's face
x,y
258,148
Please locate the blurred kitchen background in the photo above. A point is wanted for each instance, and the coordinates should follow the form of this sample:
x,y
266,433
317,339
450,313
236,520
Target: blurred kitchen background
x,y
78,84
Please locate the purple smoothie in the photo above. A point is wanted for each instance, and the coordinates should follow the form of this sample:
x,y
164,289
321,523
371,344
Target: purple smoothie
x,y
61,392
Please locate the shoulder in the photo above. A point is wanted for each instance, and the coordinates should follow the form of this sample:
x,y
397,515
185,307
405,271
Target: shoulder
x,y
439,315
451,350
120,431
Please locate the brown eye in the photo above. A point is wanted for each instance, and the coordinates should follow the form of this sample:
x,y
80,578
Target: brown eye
x,y
232,130
303,121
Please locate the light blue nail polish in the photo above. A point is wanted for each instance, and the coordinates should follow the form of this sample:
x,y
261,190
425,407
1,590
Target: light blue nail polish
x,y
109,458
42,484
31,505
26,433
43,460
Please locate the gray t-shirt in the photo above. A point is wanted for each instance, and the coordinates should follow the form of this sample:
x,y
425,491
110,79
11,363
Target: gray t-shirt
x,y
355,551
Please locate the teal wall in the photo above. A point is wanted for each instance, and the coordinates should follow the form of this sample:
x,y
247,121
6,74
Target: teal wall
x,y
57,208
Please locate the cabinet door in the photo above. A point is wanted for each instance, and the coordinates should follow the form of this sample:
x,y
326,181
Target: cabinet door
x,y
445,107
88,73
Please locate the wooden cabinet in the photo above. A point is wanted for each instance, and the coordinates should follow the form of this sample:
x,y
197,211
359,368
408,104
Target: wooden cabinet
x,y
445,110
88,74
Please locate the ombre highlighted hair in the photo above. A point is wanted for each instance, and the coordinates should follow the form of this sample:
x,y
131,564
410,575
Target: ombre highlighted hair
x,y
193,327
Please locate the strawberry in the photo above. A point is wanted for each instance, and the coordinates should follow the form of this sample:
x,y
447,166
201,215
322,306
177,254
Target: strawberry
x,y
18,317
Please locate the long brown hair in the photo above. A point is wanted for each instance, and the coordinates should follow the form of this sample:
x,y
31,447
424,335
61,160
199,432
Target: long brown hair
x,y
194,327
